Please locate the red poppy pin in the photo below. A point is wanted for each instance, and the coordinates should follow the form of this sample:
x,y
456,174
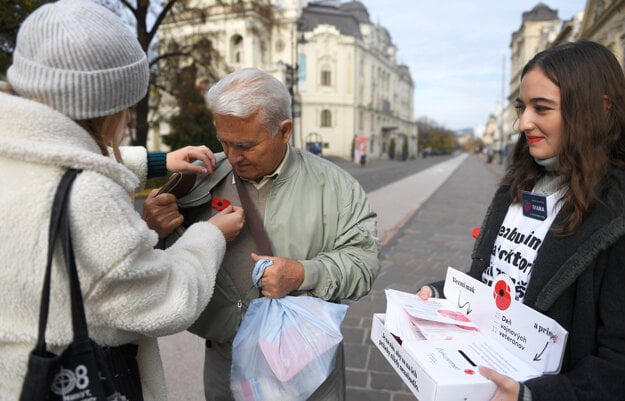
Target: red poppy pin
x,y
220,204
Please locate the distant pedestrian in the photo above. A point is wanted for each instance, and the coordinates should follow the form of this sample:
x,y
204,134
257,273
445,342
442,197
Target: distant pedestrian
x,y
363,160
570,158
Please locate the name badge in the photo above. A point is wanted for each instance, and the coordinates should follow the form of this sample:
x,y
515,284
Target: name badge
x,y
534,205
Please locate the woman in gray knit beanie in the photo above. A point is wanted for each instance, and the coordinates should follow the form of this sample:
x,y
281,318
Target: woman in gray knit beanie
x,y
76,70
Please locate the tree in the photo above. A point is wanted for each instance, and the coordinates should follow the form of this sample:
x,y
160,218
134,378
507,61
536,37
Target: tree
x,y
437,139
404,148
391,149
193,124
12,13
474,146
145,36
178,63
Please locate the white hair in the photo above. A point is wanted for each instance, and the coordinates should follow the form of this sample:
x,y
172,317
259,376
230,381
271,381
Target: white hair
x,y
247,91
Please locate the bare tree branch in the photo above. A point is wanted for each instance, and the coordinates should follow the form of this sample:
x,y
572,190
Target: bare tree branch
x,y
161,16
129,6
169,55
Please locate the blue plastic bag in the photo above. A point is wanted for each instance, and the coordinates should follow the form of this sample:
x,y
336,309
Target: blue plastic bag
x,y
285,348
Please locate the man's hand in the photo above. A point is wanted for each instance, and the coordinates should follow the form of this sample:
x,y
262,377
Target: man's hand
x,y
507,388
281,278
161,213
181,160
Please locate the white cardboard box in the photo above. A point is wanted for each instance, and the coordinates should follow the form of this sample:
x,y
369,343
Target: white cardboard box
x,y
513,339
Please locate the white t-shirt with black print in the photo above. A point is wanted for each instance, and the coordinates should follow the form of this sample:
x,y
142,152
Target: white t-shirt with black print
x,y
517,245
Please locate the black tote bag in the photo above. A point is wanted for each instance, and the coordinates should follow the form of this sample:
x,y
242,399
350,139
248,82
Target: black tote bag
x,y
84,371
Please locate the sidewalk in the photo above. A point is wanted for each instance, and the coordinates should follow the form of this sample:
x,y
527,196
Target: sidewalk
x,y
425,222
397,202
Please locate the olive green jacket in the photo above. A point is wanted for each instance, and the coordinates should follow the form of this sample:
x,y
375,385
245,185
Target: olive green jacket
x,y
317,214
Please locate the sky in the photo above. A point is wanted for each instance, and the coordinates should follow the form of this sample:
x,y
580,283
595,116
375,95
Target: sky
x,y
455,50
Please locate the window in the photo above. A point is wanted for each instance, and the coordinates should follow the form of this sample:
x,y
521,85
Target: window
x,y
326,118
599,8
326,77
236,49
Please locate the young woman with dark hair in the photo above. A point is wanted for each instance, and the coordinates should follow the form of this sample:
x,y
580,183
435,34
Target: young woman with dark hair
x,y
570,157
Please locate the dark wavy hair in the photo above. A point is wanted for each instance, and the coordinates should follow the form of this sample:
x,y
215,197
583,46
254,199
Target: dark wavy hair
x,y
592,102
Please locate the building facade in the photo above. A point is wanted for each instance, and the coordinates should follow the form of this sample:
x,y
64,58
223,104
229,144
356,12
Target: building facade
x,y
604,22
341,68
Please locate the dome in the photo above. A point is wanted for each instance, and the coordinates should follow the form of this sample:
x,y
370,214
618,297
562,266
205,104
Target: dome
x,y
357,9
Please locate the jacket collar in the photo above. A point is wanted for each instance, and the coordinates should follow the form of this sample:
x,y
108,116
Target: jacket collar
x,y
288,169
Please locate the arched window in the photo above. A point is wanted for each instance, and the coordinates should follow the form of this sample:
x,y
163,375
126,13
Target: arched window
x,y
236,49
326,118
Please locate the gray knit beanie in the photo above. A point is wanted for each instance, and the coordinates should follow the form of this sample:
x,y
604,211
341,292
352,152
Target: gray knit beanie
x,y
79,58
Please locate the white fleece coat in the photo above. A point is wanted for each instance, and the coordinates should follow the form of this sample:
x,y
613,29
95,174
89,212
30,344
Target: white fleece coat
x,y
132,292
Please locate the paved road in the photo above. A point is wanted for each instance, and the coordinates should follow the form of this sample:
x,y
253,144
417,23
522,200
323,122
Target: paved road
x,y
379,173
427,210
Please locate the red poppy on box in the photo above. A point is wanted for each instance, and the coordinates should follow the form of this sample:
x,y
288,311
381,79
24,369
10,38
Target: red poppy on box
x,y
502,295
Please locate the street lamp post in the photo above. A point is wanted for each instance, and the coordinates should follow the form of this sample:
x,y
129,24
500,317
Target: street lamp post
x,y
290,78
